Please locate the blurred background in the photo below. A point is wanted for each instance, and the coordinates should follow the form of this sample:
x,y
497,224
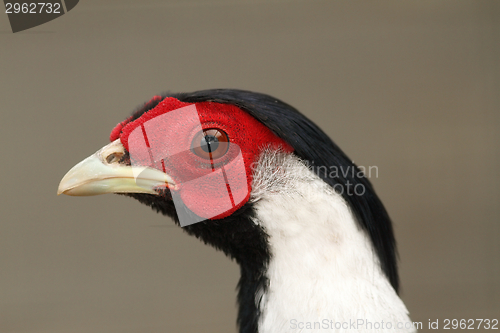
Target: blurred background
x,y
412,87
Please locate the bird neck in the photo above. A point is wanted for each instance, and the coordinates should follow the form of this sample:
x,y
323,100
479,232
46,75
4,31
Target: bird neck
x,y
322,269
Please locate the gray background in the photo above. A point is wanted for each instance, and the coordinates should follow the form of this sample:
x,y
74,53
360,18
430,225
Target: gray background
x,y
411,87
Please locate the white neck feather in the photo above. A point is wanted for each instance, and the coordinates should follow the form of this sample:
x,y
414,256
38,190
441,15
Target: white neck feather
x,y
323,274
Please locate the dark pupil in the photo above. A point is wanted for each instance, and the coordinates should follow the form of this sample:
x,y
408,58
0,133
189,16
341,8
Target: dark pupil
x,y
209,143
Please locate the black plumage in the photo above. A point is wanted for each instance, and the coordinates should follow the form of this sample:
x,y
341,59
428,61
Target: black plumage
x,y
247,243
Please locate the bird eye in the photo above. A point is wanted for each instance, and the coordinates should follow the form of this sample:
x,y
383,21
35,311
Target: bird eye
x,y
210,144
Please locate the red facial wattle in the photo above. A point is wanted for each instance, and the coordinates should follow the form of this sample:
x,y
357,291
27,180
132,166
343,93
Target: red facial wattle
x,y
163,138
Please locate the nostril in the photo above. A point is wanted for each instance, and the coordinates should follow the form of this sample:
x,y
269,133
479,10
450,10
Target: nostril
x,y
114,157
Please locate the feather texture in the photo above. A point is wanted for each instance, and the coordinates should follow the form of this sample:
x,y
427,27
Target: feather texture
x,y
323,267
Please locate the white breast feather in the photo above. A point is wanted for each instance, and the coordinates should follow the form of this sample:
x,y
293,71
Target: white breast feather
x,y
323,266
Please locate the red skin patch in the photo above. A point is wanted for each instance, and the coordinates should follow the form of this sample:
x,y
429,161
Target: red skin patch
x,y
162,138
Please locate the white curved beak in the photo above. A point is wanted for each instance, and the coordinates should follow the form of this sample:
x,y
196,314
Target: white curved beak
x,y
102,173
